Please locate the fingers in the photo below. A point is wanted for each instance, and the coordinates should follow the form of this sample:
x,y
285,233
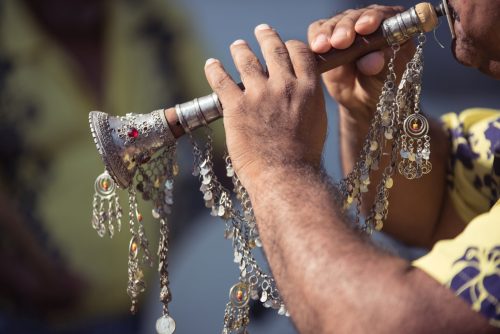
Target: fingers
x,y
302,58
320,32
221,82
274,51
371,64
369,21
339,31
247,64
343,34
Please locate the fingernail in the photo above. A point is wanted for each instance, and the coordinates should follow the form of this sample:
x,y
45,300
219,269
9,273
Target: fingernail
x,y
339,34
210,61
319,41
262,26
239,42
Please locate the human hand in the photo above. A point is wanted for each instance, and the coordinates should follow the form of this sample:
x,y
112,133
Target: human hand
x,y
356,86
280,118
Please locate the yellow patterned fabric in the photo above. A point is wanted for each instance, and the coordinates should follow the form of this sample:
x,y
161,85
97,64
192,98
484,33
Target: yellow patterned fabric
x,y
473,180
470,264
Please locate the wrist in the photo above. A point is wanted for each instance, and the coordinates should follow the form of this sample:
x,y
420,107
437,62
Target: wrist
x,y
356,116
263,176
268,159
354,122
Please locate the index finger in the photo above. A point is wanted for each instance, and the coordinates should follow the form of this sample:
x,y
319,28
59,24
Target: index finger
x,y
373,17
369,22
274,51
221,82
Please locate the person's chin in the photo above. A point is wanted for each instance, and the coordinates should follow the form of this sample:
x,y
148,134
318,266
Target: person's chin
x,y
464,54
469,57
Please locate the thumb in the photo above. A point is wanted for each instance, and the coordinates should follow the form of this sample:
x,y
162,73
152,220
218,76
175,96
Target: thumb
x,y
371,64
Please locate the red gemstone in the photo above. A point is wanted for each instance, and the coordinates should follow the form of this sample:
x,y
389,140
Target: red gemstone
x,y
133,133
415,126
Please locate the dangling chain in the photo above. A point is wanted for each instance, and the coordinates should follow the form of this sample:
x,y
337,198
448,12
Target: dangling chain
x,y
415,142
105,193
397,121
155,182
382,129
136,284
242,229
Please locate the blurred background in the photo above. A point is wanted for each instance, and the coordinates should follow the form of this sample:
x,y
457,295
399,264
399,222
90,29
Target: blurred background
x,y
60,59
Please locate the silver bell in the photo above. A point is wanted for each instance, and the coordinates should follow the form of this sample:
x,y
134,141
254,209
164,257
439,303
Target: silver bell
x,y
125,142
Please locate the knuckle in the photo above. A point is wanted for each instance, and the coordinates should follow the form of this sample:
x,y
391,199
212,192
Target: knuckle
x,y
348,20
397,8
309,87
332,22
369,11
280,55
297,46
300,49
287,88
249,67
315,26
279,51
387,11
221,80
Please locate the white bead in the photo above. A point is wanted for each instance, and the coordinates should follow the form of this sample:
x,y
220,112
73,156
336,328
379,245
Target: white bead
x,y
206,179
221,211
165,325
426,154
207,196
204,171
263,297
169,184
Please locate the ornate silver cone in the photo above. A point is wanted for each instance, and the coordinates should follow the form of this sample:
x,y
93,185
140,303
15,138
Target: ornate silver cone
x,y
125,142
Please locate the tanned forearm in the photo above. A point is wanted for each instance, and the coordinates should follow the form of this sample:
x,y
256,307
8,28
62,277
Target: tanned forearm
x,y
416,206
333,279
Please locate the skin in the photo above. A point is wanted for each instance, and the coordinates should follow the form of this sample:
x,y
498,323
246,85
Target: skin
x,y
477,24
332,278
356,88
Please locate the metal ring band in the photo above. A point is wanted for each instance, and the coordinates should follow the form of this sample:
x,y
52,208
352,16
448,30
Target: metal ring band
x,y
182,120
199,113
